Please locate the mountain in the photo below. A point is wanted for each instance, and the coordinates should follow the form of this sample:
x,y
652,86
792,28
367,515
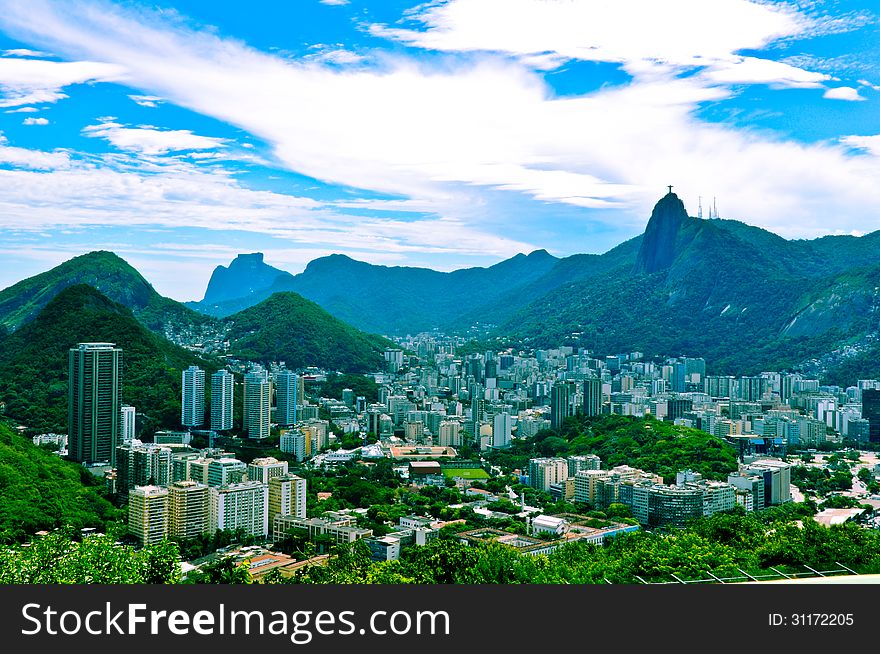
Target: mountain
x,y
34,360
246,276
287,327
112,276
669,231
743,298
395,299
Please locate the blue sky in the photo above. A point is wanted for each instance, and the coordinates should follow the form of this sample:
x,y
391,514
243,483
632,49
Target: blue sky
x,y
442,134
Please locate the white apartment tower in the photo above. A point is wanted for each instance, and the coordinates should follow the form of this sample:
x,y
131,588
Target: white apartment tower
x,y
222,385
192,408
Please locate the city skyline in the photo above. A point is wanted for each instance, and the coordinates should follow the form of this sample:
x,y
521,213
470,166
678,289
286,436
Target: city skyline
x,y
378,129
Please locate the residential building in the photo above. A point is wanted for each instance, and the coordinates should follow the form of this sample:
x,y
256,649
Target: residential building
x,y
222,389
263,469
93,402
287,496
244,505
189,509
192,406
148,517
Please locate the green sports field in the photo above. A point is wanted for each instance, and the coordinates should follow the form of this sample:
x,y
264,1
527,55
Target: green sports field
x,y
466,473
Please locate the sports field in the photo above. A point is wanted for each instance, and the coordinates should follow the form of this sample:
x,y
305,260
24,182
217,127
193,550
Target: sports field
x,y
465,473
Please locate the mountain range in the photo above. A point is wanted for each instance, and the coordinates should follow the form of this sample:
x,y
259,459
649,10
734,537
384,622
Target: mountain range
x,y
744,298
740,296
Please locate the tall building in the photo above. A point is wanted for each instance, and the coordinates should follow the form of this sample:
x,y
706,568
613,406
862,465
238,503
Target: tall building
x,y
449,434
294,442
560,403
545,472
222,385
286,391
871,413
127,415
244,505
148,514
192,406
142,464
93,402
502,425
223,471
188,509
265,468
257,401
583,462
287,496
592,396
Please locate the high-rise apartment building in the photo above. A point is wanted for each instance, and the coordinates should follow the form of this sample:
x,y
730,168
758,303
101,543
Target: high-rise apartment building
x,y
257,402
244,505
560,403
592,396
286,392
287,496
449,434
127,415
189,509
93,402
502,426
192,407
263,469
222,386
142,464
148,514
871,413
547,471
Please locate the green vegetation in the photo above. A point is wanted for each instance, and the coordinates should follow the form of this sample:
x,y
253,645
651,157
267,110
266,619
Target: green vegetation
x,y
57,558
359,384
38,490
821,481
724,544
649,444
289,328
741,322
109,274
34,361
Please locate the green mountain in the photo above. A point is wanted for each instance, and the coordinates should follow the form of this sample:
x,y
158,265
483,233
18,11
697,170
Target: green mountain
x,y
743,298
39,490
34,360
112,276
383,299
287,327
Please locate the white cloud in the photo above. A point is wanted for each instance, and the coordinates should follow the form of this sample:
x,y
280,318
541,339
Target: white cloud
x,y
843,93
22,110
432,135
870,144
151,101
29,81
338,56
29,159
24,52
334,2
150,140
683,33
751,70
35,121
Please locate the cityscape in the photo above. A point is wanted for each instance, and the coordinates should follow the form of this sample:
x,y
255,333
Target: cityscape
x,y
456,427
447,293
